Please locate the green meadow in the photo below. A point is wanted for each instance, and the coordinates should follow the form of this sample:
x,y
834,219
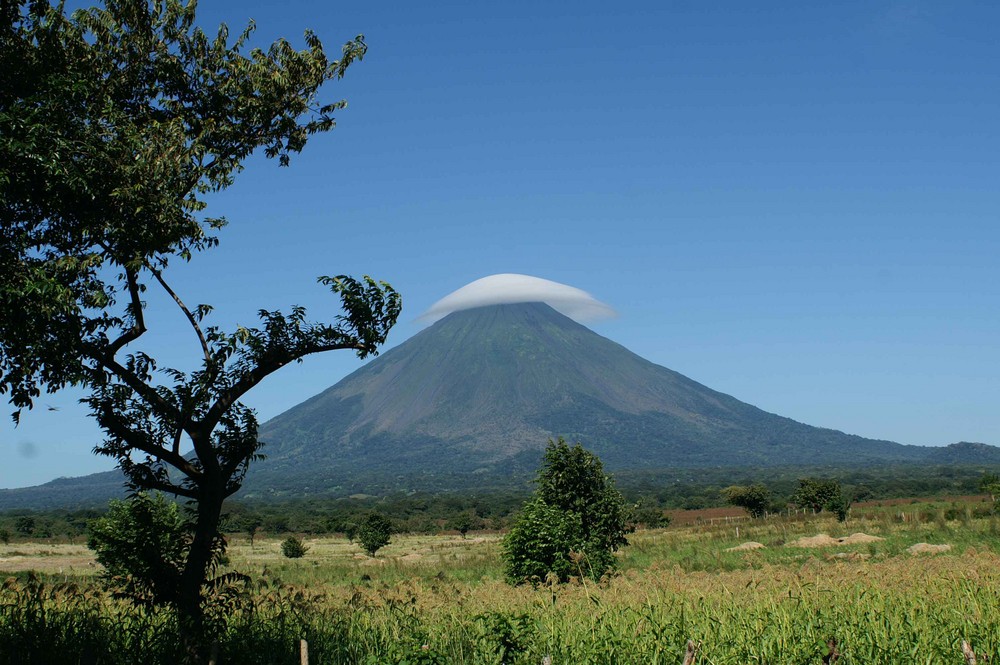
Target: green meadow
x,y
778,590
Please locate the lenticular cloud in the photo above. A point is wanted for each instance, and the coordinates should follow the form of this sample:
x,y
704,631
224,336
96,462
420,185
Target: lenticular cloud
x,y
509,288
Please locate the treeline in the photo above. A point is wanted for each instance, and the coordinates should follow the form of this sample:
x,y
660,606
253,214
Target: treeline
x,y
648,494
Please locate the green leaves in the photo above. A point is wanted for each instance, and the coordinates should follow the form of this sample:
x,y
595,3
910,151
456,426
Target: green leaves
x,y
573,524
373,532
115,122
141,545
755,499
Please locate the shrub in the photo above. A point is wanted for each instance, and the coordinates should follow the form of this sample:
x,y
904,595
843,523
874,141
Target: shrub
x,y
573,524
374,532
293,548
141,544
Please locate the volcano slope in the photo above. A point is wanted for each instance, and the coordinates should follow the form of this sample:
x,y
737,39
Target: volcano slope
x,y
482,390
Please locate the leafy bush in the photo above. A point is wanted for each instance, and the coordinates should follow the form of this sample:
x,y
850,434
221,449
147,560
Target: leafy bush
x,y
293,548
141,543
374,532
573,524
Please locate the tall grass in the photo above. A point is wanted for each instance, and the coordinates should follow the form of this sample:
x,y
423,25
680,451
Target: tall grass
x,y
777,605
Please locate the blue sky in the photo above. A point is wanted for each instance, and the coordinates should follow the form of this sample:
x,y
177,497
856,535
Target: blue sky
x,y
793,203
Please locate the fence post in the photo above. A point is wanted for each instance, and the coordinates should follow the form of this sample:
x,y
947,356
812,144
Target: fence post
x,y
970,655
303,652
690,653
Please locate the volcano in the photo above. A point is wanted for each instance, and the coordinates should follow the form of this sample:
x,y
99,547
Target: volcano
x,y
482,390
471,401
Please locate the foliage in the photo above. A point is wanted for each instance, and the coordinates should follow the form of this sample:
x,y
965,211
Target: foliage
x,y
374,532
649,517
816,493
990,484
293,548
542,541
465,522
819,494
881,609
25,525
252,524
115,124
4,536
350,531
755,499
141,544
573,524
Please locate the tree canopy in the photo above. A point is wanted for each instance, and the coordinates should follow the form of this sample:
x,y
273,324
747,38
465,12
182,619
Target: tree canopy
x,y
755,499
572,525
115,124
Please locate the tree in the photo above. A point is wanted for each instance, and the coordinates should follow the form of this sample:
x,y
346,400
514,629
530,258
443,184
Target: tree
x,y
572,525
649,517
816,493
465,522
141,545
373,532
820,494
115,124
25,525
251,523
990,484
755,499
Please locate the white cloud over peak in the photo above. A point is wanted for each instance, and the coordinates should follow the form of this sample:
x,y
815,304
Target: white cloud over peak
x,y
508,288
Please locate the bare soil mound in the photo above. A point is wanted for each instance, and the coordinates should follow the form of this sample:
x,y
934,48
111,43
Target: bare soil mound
x,y
824,540
927,548
751,545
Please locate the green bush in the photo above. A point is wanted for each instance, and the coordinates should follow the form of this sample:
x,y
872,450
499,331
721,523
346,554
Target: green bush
x,y
293,548
374,532
755,499
141,544
573,524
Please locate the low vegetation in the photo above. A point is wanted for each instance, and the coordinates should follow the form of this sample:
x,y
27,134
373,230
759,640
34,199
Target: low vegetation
x,y
443,599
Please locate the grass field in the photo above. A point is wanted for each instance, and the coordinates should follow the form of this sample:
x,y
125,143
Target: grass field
x,y
441,599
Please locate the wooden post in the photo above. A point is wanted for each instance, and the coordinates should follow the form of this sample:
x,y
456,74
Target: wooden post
x,y
303,652
691,653
970,655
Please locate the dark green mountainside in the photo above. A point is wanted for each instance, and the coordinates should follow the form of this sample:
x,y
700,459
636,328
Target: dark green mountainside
x,y
470,403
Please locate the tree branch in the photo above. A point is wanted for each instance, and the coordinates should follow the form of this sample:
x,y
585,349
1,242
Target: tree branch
x,y
114,425
258,374
154,484
139,327
190,317
144,390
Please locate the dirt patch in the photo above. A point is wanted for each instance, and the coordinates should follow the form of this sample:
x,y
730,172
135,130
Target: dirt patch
x,y
824,540
411,557
743,547
927,548
848,556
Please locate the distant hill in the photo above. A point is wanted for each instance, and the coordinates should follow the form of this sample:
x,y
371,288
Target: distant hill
x,y
472,400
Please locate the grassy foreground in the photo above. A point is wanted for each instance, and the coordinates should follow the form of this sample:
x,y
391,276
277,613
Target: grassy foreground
x,y
440,599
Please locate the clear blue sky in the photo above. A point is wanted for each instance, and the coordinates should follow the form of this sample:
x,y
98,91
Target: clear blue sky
x,y
793,203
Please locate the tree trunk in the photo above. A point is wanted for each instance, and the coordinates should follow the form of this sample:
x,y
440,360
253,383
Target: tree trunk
x,y
191,601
